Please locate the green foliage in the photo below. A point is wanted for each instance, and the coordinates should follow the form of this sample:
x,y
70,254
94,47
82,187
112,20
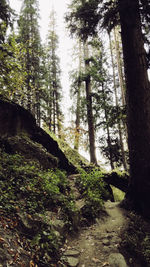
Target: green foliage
x,y
27,189
29,39
83,17
5,19
92,187
46,244
12,71
25,186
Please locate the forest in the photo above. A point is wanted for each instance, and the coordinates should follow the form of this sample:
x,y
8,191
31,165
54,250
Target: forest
x,y
51,197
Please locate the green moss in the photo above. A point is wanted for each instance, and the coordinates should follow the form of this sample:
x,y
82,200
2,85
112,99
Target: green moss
x,y
118,194
73,156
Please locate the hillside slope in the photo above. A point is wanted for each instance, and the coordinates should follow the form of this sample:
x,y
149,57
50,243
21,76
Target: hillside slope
x,y
38,202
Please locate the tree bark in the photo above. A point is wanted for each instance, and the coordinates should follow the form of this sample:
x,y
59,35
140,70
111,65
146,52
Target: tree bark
x,y
108,132
138,105
117,105
89,107
77,122
121,76
119,66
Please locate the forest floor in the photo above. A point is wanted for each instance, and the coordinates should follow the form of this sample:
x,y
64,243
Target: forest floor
x,y
99,244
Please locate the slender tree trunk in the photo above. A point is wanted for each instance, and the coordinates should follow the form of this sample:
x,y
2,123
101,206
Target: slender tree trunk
x,y
117,104
28,81
50,107
38,109
77,122
138,105
89,107
108,133
54,111
109,145
57,114
119,65
49,115
120,74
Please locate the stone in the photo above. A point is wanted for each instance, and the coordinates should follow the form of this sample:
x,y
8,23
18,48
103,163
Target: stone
x,y
80,203
116,240
106,242
117,260
72,252
109,236
58,225
106,249
72,261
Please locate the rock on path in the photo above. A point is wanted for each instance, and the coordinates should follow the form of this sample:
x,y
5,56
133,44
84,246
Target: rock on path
x,y
98,245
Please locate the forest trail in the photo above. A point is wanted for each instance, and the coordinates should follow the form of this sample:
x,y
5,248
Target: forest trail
x,y
98,245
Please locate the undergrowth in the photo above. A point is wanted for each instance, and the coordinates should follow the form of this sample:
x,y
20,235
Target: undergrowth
x,y
25,180
27,189
92,188
136,239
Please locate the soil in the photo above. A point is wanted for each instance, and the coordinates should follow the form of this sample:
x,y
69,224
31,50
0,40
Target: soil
x,y
99,244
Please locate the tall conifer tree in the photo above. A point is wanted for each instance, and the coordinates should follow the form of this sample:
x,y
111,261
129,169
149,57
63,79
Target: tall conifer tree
x,y
53,86
30,37
129,14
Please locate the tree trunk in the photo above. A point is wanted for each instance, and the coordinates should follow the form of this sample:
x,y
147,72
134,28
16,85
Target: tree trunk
x,y
117,104
54,111
28,80
108,132
38,109
90,118
77,122
138,105
119,66
120,74
58,115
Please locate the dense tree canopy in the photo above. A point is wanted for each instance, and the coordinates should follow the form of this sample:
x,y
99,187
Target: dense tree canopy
x,y
5,17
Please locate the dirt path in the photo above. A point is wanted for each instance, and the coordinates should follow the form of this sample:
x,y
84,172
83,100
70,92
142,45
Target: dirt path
x,y
98,245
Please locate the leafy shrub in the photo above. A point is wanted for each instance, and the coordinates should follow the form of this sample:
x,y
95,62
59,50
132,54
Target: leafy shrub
x,y
92,187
